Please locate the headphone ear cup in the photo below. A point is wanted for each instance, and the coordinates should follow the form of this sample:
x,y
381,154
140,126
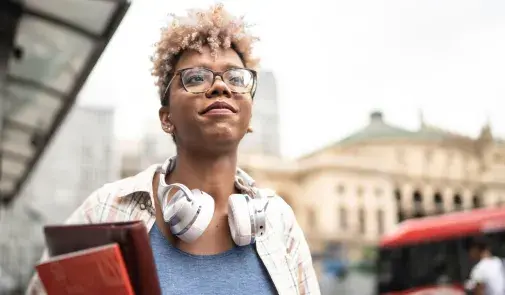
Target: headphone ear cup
x,y
239,219
194,218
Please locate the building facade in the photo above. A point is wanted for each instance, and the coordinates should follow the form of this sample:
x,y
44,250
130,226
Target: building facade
x,y
355,190
80,159
265,139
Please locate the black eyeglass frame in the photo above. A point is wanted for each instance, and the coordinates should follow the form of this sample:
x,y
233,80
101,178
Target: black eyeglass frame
x,y
216,74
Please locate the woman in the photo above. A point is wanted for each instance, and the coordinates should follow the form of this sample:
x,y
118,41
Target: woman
x,y
204,71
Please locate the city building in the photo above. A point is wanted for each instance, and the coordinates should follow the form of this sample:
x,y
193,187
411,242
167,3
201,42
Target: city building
x,y
153,147
355,190
265,138
78,161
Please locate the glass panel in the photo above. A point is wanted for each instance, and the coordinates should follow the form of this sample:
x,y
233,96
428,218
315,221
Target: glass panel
x,y
31,107
90,15
6,186
392,275
18,142
52,55
420,265
12,168
440,268
497,243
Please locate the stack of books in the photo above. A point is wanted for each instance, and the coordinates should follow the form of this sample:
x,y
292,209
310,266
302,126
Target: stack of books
x,y
106,258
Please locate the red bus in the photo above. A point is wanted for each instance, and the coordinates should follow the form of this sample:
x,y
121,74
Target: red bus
x,y
429,255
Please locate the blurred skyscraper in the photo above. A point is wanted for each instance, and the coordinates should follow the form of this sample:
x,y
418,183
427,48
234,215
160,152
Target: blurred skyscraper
x,y
265,120
78,161
153,147
81,158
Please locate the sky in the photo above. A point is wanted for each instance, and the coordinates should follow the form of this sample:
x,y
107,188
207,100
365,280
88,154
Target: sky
x,y
335,61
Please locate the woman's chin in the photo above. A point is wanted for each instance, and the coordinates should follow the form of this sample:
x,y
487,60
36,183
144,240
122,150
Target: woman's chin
x,y
223,138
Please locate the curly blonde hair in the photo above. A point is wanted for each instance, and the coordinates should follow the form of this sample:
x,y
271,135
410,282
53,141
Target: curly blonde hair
x,y
214,27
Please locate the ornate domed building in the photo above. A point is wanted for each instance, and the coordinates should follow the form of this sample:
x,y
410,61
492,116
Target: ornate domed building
x,y
361,187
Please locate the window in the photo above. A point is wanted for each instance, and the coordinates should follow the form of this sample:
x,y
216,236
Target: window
x,y
108,154
340,189
391,270
398,196
87,154
497,243
476,201
458,202
343,217
87,174
418,204
359,191
407,267
380,221
378,192
361,220
439,203
441,268
401,216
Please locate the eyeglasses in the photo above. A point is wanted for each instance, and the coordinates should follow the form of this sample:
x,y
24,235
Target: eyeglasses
x,y
200,80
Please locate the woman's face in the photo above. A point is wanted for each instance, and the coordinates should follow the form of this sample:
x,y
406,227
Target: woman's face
x,y
218,130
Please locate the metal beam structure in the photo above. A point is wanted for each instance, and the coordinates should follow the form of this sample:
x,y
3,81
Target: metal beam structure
x,y
10,13
53,47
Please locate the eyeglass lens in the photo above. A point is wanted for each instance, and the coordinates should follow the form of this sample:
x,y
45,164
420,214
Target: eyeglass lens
x,y
199,80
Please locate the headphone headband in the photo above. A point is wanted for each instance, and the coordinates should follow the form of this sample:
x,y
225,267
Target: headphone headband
x,y
189,212
168,187
164,192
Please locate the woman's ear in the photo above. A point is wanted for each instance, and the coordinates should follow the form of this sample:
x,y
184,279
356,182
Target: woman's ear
x,y
166,124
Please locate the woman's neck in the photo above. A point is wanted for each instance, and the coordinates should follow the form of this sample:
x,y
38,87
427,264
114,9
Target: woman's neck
x,y
213,175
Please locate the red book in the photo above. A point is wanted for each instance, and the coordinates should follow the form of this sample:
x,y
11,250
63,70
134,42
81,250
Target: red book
x,y
98,270
131,236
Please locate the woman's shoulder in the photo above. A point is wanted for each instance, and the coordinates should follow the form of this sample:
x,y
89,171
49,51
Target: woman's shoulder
x,y
141,182
278,208
274,198
120,196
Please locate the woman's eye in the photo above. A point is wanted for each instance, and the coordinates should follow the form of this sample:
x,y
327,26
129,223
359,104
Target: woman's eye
x,y
238,80
195,79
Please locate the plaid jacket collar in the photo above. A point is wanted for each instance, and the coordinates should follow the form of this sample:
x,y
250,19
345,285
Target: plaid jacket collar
x,y
243,181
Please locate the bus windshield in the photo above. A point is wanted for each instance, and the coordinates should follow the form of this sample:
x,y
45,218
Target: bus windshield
x,y
421,265
431,252
430,263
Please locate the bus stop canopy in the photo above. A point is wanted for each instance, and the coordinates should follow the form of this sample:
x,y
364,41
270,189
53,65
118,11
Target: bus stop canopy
x,y
55,47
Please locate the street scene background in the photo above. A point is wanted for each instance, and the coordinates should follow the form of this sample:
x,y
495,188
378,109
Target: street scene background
x,y
368,113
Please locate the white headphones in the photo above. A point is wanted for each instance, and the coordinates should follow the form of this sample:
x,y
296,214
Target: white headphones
x,y
189,212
